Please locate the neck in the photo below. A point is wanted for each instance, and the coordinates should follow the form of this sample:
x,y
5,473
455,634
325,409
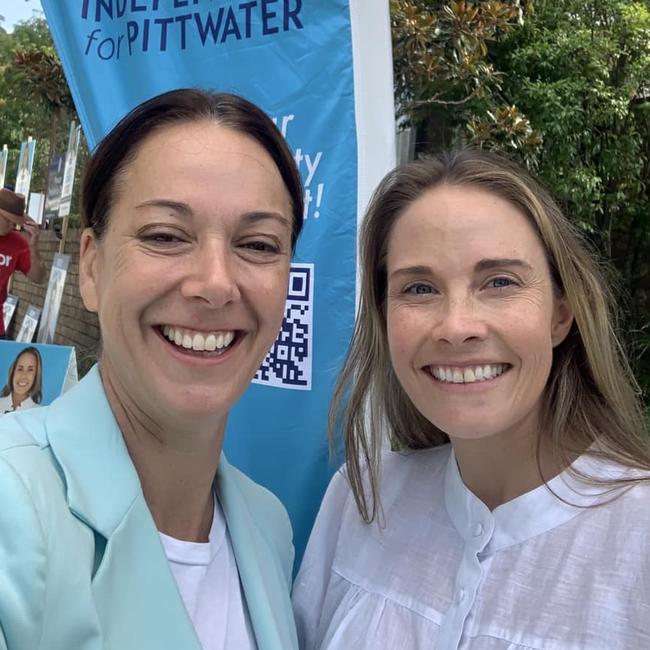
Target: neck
x,y
176,465
17,400
500,468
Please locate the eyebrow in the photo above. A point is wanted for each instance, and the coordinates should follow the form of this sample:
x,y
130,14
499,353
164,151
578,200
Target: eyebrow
x,y
488,264
176,206
481,265
186,211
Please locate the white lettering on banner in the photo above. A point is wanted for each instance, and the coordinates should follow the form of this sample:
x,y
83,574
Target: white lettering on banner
x,y
285,123
307,166
5,260
312,165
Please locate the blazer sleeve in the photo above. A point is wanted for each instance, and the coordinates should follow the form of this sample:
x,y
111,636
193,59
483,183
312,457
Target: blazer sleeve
x,y
23,564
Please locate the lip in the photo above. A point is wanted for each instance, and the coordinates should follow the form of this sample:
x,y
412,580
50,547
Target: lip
x,y
193,358
475,387
466,364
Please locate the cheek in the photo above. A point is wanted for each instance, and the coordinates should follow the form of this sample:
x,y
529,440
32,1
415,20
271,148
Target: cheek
x,y
401,332
272,296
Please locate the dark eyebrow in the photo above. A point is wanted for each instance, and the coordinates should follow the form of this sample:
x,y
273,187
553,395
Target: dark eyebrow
x,y
254,217
176,206
186,211
488,264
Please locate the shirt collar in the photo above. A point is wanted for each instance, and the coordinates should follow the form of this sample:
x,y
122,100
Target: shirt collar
x,y
533,513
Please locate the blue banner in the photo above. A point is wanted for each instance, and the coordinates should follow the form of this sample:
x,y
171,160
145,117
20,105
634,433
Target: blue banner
x,y
297,60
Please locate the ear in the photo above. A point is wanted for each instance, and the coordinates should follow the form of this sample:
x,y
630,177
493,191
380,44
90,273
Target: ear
x,y
562,320
88,270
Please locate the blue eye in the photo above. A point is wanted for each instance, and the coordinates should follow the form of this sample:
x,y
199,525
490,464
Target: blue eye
x,y
501,283
419,289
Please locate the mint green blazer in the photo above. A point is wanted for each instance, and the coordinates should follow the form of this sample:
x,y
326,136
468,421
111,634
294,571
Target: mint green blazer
x,y
81,563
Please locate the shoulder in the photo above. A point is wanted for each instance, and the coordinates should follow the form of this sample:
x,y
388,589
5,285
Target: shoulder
x,y
26,461
266,512
19,430
14,241
262,503
403,463
396,467
399,472
33,520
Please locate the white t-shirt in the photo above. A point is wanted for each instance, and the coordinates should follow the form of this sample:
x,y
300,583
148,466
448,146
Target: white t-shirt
x,y
208,580
443,572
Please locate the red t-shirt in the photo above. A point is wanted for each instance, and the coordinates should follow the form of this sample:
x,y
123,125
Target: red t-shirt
x,y
14,256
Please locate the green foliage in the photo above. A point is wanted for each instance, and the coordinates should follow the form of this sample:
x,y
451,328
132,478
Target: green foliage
x,y
443,70
565,86
34,97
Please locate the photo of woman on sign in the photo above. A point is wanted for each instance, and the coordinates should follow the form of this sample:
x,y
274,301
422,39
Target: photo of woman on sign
x,y
24,381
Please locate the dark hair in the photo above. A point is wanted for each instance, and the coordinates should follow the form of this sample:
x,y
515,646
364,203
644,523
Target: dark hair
x,y
120,146
35,391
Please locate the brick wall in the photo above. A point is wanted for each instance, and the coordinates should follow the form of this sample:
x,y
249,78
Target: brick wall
x,y
76,326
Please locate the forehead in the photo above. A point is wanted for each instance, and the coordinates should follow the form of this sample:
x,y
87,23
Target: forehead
x,y
455,223
203,160
27,358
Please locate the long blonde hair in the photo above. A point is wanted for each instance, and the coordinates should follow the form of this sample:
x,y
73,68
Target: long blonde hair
x,y
591,394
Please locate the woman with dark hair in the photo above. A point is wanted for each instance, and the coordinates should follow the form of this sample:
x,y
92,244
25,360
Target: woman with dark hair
x,y
24,382
513,511
122,524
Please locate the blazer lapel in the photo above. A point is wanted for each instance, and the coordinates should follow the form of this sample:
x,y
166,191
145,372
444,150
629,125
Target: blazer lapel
x,y
136,597
265,587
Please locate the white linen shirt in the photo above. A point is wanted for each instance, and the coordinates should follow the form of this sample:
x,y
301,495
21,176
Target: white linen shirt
x,y
443,572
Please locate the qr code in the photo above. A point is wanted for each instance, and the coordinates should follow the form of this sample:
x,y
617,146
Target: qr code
x,y
288,364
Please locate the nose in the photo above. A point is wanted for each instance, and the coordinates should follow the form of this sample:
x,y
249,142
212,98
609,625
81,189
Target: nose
x,y
461,321
212,276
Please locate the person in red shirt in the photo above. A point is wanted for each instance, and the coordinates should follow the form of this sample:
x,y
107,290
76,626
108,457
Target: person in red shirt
x,y
17,253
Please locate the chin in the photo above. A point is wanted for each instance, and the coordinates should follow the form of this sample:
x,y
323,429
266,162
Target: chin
x,y
466,429
200,406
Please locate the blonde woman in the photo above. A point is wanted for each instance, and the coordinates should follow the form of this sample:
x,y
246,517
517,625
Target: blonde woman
x,y
515,513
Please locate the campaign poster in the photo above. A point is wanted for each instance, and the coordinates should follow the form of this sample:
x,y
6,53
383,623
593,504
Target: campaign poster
x,y
33,375
4,157
25,164
9,309
29,324
323,72
54,185
68,172
53,298
35,206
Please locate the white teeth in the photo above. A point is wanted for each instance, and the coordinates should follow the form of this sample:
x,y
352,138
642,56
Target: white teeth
x,y
198,341
467,375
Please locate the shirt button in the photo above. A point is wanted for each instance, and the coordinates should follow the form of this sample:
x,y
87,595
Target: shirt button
x,y
478,530
461,596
